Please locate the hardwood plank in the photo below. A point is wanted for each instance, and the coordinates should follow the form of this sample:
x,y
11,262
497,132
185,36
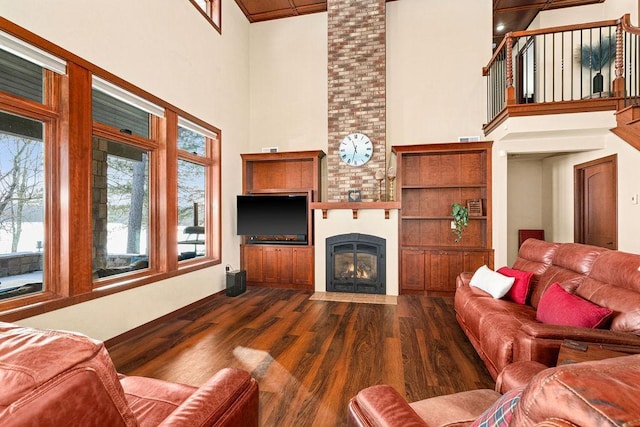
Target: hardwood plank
x,y
311,357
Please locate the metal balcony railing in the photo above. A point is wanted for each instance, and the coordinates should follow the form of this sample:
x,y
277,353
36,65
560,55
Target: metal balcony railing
x,y
572,63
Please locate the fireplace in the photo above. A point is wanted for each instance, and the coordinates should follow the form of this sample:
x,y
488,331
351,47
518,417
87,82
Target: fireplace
x,y
356,263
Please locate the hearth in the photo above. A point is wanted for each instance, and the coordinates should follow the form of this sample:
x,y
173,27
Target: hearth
x,y
356,263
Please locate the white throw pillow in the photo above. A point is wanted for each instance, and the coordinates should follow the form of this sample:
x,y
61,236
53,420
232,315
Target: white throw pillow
x,y
491,282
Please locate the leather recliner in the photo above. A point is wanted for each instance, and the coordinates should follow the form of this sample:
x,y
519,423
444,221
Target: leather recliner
x,y
56,378
589,394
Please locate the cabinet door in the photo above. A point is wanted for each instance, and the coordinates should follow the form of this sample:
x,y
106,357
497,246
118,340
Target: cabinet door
x,y
413,262
444,266
476,259
253,263
303,266
285,265
270,265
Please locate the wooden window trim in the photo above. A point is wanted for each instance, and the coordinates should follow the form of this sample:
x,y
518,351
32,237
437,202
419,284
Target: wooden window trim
x,y
67,110
214,10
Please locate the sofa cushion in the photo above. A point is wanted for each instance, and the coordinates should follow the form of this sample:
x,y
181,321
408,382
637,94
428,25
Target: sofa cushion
x,y
598,393
535,256
501,412
559,307
572,262
495,284
614,282
520,289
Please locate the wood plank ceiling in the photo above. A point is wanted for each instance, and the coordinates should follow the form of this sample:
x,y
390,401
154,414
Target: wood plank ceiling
x,y
514,15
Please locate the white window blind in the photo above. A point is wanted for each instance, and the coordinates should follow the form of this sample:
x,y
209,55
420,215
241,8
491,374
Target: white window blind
x,y
187,124
114,91
32,54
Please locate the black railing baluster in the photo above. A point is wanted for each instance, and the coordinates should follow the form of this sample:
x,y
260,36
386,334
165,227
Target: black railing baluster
x,y
539,70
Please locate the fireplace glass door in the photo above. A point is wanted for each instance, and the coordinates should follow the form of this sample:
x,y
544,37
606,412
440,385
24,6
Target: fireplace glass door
x,y
355,266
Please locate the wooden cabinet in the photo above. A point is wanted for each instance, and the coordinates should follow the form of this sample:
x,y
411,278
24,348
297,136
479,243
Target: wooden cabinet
x,y
278,265
431,177
435,271
298,172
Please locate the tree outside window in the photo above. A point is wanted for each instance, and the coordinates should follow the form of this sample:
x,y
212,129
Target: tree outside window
x,y
22,195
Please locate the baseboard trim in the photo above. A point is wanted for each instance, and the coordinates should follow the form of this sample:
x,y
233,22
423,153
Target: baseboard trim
x,y
118,339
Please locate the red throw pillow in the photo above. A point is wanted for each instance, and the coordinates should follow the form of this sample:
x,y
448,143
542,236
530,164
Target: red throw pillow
x,y
520,289
559,307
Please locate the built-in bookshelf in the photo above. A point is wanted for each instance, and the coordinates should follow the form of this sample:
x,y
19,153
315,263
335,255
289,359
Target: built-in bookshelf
x,y
431,177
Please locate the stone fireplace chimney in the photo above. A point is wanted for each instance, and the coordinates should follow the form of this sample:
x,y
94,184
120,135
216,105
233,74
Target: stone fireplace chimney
x,y
357,92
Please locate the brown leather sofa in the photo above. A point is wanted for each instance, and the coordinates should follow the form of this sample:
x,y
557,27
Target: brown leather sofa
x,y
598,394
503,332
55,378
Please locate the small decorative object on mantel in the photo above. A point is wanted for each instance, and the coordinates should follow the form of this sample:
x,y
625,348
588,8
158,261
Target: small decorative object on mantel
x,y
380,178
391,175
354,196
475,207
460,219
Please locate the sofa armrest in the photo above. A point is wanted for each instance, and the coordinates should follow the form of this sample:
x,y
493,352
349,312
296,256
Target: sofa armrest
x,y
229,398
382,405
517,375
463,279
600,336
541,342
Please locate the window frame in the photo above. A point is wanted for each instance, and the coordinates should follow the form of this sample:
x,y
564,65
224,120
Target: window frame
x,y
68,128
213,14
47,113
212,188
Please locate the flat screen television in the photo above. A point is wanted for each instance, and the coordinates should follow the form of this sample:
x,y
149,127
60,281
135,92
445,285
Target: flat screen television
x,y
273,217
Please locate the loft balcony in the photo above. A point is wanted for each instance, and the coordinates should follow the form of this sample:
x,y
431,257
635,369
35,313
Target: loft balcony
x,y
591,67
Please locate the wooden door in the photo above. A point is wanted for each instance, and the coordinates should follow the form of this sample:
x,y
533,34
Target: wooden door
x,y
596,187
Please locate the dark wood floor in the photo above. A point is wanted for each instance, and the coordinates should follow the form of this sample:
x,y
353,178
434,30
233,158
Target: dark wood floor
x,y
311,357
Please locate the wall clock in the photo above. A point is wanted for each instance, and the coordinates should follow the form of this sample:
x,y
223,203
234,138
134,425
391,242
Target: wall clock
x,y
356,149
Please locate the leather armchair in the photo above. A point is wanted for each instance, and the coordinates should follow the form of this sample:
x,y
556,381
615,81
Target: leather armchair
x,y
599,393
55,378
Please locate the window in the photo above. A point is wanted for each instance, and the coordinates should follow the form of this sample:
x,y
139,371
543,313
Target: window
x,y
22,211
92,204
196,148
191,209
120,208
211,9
26,124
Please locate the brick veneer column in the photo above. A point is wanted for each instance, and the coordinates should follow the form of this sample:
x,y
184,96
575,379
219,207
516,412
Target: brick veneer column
x,y
357,91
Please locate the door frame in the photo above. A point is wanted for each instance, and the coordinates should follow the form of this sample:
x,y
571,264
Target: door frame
x,y
578,205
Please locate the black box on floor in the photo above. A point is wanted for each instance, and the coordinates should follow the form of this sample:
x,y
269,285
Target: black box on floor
x,y
236,282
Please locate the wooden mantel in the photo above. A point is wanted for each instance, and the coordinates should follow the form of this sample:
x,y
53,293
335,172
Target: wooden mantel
x,y
355,206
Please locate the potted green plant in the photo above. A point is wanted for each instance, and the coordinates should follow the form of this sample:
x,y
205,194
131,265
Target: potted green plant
x,y
460,216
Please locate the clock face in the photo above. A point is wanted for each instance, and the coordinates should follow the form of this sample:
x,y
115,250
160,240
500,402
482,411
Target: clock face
x,y
356,149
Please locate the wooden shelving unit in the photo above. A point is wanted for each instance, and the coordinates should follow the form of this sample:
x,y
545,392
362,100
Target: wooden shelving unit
x,y
431,177
282,265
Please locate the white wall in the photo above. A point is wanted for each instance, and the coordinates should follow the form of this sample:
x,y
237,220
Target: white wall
x,y
560,171
430,96
288,75
610,9
167,48
435,54
524,199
